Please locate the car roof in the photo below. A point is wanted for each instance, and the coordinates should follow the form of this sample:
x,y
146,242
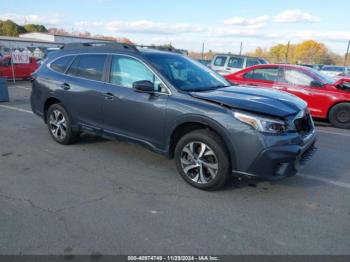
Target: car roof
x,y
280,65
108,47
238,56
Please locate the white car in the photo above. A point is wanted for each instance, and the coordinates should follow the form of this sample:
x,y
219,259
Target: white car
x,y
226,64
335,71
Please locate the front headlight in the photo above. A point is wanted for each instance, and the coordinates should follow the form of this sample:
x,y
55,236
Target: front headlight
x,y
263,124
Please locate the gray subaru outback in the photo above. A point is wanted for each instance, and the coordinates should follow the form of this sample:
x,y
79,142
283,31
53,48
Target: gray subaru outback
x,y
174,106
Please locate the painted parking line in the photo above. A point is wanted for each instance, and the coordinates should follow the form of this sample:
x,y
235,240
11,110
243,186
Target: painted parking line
x,y
326,180
331,132
16,109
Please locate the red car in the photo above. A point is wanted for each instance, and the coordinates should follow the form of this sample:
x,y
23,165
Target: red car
x,y
327,98
22,71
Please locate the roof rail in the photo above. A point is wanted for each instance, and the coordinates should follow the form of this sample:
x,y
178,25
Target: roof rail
x,y
100,45
162,48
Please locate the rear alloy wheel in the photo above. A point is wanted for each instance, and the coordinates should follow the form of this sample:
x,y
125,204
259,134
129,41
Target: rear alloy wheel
x,y
339,116
59,125
201,159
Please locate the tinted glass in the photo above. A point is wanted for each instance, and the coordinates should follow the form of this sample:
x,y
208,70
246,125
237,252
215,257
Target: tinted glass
x,y
267,74
220,61
185,73
88,66
295,77
61,64
125,71
235,62
251,62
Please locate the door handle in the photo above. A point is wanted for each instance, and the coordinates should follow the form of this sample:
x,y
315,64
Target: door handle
x,y
65,86
109,96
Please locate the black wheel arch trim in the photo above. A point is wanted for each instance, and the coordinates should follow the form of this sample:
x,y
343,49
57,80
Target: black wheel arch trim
x,y
212,124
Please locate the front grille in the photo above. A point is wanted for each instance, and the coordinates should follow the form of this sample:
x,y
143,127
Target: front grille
x,y
304,125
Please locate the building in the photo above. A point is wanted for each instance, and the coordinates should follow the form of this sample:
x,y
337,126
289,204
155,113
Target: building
x,y
38,40
62,39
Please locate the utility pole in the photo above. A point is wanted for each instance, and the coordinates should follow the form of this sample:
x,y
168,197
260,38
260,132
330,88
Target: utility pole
x,y
286,60
240,48
202,50
346,55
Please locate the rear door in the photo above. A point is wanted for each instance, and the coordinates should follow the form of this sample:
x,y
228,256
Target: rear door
x,y
264,77
81,89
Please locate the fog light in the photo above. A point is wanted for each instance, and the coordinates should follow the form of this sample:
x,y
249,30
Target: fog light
x,y
281,169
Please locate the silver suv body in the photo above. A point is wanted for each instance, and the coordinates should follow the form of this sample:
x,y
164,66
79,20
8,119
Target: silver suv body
x,y
226,64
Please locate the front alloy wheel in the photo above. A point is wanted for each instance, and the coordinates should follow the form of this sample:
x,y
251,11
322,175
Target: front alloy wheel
x,y
202,159
199,162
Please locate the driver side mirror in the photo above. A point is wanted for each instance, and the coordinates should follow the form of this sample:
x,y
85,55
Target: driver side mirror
x,y
144,86
315,83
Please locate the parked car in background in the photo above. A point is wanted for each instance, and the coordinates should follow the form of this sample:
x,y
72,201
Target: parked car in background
x,y
204,62
335,71
326,98
226,64
174,106
21,71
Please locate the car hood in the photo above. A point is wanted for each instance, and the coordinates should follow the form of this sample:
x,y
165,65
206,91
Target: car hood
x,y
255,99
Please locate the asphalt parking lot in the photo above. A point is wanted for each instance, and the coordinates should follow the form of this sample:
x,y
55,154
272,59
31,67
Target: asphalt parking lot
x,y
108,197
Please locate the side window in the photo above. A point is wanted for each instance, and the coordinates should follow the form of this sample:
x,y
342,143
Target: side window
x,y
252,62
249,75
295,77
235,62
88,66
265,74
61,64
125,71
220,61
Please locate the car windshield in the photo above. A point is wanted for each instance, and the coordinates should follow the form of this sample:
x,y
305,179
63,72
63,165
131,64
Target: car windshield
x,y
186,74
322,77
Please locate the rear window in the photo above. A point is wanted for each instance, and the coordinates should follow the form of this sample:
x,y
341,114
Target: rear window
x,y
88,66
60,65
220,61
235,62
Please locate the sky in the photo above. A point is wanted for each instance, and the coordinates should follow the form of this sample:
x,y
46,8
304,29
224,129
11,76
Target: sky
x,y
221,25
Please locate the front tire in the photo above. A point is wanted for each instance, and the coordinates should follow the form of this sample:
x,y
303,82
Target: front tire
x,y
339,116
59,125
202,160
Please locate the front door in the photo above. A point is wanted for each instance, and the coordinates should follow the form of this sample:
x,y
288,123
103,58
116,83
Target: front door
x,y
135,115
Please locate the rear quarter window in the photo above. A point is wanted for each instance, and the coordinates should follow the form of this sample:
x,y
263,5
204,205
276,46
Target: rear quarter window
x,y
60,65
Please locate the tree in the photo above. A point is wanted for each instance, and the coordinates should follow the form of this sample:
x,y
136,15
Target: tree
x,y
34,28
311,52
9,28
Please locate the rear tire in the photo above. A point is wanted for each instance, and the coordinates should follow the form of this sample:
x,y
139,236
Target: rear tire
x,y
59,125
202,160
339,115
